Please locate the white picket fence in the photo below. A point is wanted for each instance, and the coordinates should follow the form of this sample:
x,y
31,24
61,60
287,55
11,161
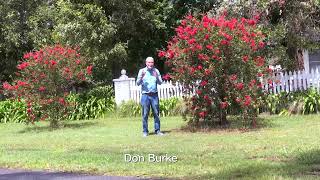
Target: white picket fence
x,y
166,90
293,81
281,81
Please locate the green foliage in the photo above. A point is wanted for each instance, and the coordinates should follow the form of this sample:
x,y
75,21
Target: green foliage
x,y
292,25
220,60
92,104
13,33
79,25
311,102
13,111
300,102
129,109
45,79
101,92
168,107
90,108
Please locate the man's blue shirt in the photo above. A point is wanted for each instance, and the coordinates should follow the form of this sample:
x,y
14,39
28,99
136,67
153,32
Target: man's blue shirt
x,y
149,81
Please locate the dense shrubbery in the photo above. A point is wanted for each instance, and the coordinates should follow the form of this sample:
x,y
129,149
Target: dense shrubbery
x,y
168,107
45,78
221,60
92,104
300,102
100,100
13,111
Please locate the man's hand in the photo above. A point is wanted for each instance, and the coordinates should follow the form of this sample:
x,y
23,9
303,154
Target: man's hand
x,y
142,74
155,74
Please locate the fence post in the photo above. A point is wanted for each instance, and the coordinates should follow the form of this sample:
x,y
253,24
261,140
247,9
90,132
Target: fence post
x,y
122,87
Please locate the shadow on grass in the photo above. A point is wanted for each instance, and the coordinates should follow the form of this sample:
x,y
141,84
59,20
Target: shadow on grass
x,y
164,132
304,166
67,125
234,124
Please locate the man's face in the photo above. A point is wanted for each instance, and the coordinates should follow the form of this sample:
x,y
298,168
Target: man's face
x,y
149,64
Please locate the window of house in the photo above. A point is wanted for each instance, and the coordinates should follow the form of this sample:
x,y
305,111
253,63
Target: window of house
x,y
314,59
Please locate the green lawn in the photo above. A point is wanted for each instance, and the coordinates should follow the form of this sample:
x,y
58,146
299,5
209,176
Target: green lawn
x,y
285,148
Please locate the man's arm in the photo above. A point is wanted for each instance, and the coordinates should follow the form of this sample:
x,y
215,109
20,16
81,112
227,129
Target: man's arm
x,y
140,77
158,76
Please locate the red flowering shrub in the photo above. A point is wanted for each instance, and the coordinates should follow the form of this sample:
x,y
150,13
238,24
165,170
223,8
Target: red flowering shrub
x,y
220,60
45,78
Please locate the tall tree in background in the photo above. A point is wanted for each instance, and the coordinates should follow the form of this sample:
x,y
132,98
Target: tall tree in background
x,y
146,25
293,24
115,34
86,26
13,33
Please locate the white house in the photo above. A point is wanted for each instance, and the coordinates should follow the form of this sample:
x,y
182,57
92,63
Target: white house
x,y
311,60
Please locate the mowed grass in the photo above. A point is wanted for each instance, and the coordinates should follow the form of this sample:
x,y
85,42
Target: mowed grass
x,y
284,148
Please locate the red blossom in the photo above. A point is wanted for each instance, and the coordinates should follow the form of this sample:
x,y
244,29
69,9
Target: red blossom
x,y
209,46
23,65
42,88
203,114
224,105
7,86
225,42
207,72
62,101
233,77
251,22
261,44
203,83
238,100
239,86
22,83
89,69
245,59
247,100
166,77
53,62
203,57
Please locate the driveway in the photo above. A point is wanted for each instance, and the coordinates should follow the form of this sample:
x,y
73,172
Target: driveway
x,y
20,174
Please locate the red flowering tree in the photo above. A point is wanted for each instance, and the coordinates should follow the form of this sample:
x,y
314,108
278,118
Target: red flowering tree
x,y
45,78
220,61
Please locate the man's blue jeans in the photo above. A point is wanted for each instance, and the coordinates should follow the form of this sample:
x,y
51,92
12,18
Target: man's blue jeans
x,y
152,100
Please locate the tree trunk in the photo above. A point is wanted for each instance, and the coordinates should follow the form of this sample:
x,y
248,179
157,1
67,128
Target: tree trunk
x,y
223,118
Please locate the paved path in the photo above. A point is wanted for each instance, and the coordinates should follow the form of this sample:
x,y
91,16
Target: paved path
x,y
19,174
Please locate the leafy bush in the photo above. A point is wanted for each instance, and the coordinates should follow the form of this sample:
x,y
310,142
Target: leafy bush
x,y
92,104
45,78
221,61
168,107
311,100
129,109
101,92
300,102
13,111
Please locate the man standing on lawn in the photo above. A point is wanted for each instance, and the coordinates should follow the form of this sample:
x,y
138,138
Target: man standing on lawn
x,y
149,77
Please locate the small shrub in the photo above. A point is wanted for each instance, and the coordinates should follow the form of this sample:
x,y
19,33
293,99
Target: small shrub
x,y
92,104
299,102
168,107
129,109
13,111
45,78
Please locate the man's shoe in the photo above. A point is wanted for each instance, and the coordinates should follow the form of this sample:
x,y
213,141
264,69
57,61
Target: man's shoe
x,y
159,133
145,134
